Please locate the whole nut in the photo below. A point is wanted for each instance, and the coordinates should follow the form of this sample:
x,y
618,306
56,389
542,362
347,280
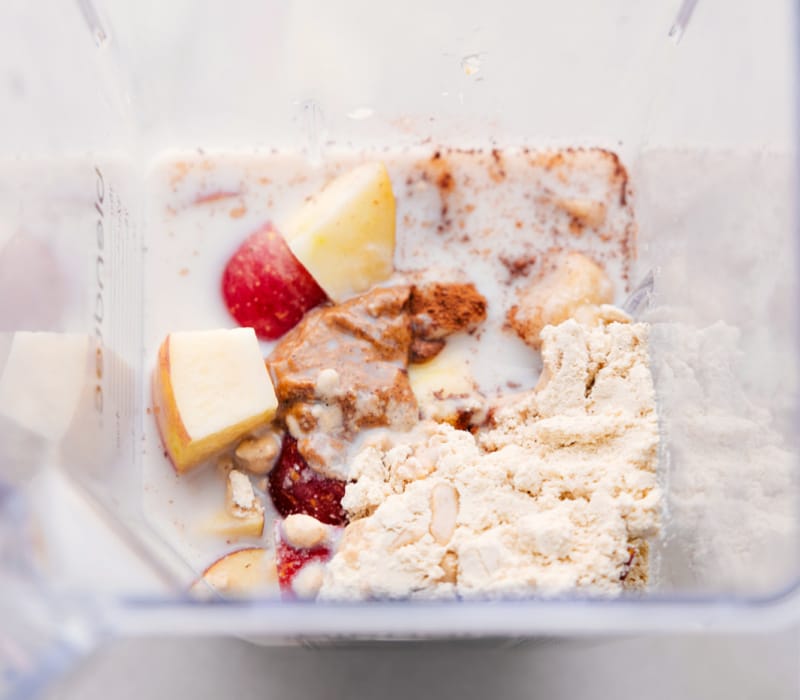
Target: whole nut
x,y
258,455
304,532
444,511
575,281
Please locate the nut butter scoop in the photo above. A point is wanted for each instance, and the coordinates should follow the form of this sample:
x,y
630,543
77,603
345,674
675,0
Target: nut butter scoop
x,y
342,369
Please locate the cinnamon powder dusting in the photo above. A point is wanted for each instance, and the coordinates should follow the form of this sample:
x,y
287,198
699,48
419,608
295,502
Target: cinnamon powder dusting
x,y
517,267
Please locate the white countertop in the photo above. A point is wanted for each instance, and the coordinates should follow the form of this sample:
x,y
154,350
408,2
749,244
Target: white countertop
x,y
765,666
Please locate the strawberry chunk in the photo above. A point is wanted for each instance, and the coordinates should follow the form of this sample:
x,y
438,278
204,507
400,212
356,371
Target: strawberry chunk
x,y
264,286
297,488
290,560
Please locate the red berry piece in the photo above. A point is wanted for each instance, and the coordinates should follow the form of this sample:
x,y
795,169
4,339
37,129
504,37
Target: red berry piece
x,y
297,488
290,560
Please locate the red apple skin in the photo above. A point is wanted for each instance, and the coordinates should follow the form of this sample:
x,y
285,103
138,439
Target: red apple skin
x,y
265,287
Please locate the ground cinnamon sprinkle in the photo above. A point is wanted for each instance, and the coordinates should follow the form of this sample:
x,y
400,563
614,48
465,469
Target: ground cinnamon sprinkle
x,y
422,350
439,309
517,267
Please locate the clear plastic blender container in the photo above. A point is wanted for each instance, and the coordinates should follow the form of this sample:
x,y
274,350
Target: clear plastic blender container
x,y
700,107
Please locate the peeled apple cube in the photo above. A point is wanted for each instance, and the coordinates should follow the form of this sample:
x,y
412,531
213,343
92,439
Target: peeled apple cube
x,y
444,387
244,514
210,389
445,375
345,236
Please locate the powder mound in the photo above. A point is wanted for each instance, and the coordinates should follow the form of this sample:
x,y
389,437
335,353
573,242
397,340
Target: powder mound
x,y
557,493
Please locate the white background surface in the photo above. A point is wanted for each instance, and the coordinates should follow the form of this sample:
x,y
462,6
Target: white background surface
x,y
763,667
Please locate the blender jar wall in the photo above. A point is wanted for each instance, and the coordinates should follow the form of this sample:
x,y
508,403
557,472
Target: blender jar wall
x,y
70,308
712,180
262,75
717,213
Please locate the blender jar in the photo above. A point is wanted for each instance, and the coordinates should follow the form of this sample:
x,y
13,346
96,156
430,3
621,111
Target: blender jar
x,y
94,92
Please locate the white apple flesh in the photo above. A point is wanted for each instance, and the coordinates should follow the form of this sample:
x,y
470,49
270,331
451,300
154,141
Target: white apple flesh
x,y
210,389
345,235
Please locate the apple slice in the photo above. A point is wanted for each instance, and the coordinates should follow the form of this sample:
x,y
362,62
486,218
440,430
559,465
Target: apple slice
x,y
210,389
297,488
244,572
266,288
345,235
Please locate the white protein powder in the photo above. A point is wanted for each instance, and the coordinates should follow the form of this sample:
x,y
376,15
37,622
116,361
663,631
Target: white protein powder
x,y
547,501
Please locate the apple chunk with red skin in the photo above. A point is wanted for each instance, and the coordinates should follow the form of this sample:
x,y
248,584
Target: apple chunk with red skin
x,y
266,288
210,389
243,572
